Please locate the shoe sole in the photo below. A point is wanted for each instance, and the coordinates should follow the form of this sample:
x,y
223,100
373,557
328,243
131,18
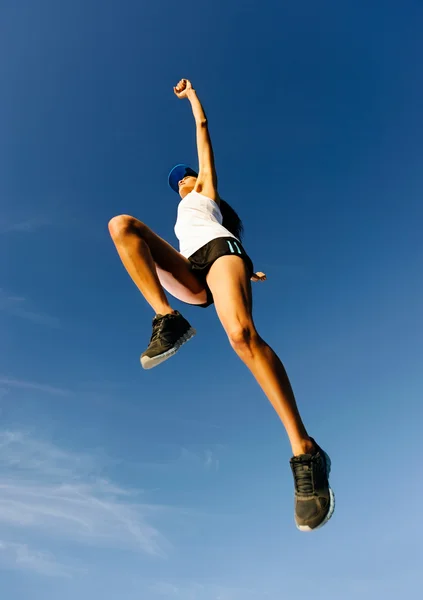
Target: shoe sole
x,y
149,363
331,502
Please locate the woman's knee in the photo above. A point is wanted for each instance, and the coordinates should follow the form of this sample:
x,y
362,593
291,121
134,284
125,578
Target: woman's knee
x,y
242,336
124,224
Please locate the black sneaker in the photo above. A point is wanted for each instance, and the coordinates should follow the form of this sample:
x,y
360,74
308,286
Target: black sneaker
x,y
314,499
169,333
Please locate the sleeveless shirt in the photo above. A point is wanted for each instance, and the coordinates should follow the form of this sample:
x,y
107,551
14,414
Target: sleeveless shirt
x,y
199,221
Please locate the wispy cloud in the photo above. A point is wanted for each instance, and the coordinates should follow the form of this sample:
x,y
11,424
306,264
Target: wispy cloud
x,y
204,591
21,556
185,458
210,460
18,306
9,382
181,458
334,586
24,226
51,494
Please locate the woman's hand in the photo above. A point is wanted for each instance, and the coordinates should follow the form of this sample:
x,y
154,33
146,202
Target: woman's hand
x,y
259,276
182,89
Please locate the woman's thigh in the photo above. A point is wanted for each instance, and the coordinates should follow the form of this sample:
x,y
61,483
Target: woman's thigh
x,y
173,269
230,284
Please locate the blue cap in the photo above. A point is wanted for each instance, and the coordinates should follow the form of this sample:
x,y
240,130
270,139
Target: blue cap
x,y
178,173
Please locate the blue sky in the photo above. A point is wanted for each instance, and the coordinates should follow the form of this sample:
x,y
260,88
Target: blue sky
x,y
175,483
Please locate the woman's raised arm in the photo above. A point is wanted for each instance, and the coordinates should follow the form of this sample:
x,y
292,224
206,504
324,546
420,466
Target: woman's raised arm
x,y
207,178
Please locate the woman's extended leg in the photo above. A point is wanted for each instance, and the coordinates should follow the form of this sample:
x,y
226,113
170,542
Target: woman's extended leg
x,y
230,285
153,265
231,288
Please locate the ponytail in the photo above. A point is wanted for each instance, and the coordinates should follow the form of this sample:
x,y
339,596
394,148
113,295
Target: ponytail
x,y
231,220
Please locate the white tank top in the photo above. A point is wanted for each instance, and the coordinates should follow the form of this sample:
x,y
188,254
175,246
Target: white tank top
x,y
199,221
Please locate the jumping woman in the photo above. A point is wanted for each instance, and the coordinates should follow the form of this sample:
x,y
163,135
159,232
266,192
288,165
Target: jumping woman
x,y
212,267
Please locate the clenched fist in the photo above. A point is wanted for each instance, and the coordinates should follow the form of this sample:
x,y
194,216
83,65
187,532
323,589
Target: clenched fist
x,y
181,90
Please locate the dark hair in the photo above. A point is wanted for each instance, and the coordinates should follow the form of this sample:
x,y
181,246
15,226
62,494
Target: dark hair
x,y
231,220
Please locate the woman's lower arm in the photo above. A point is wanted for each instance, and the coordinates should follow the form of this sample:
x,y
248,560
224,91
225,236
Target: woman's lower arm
x,y
197,108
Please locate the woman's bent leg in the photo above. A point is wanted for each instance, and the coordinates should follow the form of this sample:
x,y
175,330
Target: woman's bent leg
x,y
153,264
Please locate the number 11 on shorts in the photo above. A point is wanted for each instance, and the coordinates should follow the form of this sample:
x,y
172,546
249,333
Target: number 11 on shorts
x,y
236,246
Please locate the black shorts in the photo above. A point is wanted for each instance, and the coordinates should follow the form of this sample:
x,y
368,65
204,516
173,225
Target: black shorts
x,y
202,260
